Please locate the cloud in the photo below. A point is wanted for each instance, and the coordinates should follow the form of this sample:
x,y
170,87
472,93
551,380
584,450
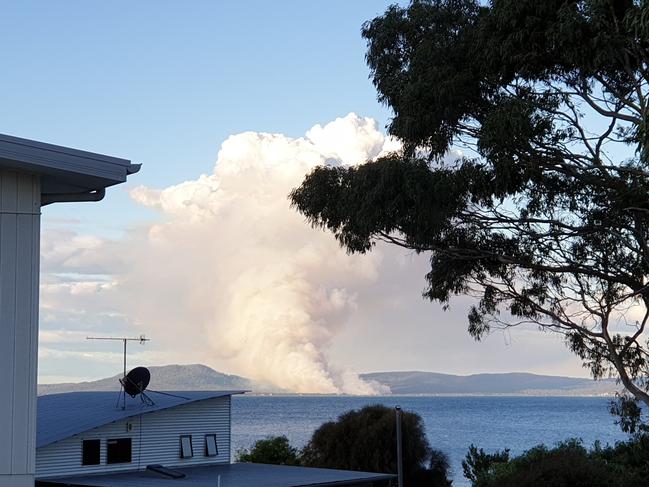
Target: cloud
x,y
229,275
60,336
268,293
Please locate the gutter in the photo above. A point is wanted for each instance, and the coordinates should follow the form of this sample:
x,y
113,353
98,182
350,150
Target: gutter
x,y
93,195
133,168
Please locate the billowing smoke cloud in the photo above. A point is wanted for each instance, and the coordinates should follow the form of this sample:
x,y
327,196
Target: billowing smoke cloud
x,y
231,275
267,291
272,291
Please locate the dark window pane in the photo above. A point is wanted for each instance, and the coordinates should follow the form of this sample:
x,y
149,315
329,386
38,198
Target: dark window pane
x,y
186,450
118,450
210,446
90,452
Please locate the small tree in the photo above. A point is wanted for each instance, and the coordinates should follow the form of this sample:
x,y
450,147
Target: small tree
x,y
365,440
478,464
545,215
275,450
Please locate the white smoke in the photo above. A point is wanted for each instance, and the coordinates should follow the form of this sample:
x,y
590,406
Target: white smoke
x,y
232,277
233,269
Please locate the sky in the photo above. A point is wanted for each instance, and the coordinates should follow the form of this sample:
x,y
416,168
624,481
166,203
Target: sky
x,y
227,105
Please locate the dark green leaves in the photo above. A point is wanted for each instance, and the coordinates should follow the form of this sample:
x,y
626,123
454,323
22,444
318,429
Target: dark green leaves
x,y
382,197
421,65
547,221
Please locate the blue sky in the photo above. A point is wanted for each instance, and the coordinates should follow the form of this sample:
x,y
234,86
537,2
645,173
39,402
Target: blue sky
x,y
162,83
165,84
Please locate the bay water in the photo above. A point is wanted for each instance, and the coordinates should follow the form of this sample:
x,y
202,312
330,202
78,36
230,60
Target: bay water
x,y
452,423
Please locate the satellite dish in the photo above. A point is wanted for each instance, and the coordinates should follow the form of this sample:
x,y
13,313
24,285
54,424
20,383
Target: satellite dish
x,y
136,381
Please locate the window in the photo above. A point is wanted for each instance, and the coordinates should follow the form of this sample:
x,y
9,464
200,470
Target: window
x,y
186,450
210,446
118,450
90,452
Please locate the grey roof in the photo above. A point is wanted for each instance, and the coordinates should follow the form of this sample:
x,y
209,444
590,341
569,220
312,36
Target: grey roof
x,y
60,416
234,475
62,169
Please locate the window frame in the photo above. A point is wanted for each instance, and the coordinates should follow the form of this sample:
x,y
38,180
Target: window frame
x,y
130,450
85,453
207,445
183,453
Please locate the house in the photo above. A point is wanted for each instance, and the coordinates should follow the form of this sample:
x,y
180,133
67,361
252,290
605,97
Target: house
x,y
32,175
182,439
83,438
87,433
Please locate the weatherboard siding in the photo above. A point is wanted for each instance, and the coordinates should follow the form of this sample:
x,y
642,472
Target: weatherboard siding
x,y
19,268
155,439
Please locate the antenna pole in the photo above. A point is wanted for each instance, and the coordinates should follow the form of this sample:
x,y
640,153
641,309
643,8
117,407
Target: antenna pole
x,y
142,339
124,377
399,447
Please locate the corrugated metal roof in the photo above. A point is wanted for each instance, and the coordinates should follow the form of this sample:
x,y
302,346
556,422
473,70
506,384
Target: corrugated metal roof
x,y
234,475
63,169
60,416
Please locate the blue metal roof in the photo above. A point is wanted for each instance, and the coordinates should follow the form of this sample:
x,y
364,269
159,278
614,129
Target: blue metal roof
x,y
234,475
60,416
63,169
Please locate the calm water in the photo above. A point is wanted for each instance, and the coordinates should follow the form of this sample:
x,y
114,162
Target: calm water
x,y
452,423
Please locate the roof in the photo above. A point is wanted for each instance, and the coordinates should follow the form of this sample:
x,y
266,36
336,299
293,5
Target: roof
x,y
233,475
62,169
60,416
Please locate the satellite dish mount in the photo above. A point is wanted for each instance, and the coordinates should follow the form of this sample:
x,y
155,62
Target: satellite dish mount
x,y
136,381
134,384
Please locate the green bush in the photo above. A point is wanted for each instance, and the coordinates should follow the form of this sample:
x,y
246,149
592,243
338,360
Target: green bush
x,y
365,440
275,450
628,460
568,464
478,463
361,440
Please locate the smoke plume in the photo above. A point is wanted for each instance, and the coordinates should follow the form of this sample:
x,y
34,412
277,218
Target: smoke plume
x,y
231,270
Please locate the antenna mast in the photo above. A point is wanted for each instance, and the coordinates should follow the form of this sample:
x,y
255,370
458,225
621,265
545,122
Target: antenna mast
x,y
141,339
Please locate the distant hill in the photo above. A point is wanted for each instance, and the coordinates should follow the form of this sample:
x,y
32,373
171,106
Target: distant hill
x,y
515,383
199,377
194,377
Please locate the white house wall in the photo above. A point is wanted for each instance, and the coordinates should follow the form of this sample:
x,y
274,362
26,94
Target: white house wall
x,y
20,199
155,440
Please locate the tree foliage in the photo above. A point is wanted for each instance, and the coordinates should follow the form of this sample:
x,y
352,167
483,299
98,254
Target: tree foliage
x,y
477,463
365,440
568,464
524,171
275,450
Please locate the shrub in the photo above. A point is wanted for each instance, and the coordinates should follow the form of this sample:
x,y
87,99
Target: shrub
x,y
275,450
478,464
568,464
365,440
628,460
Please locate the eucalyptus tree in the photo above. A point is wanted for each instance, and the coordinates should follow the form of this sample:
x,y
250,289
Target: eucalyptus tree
x,y
524,171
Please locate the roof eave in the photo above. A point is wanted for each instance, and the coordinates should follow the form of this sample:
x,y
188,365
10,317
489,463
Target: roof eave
x,y
63,169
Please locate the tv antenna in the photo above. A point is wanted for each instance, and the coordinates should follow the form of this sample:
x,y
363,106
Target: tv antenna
x,y
141,339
